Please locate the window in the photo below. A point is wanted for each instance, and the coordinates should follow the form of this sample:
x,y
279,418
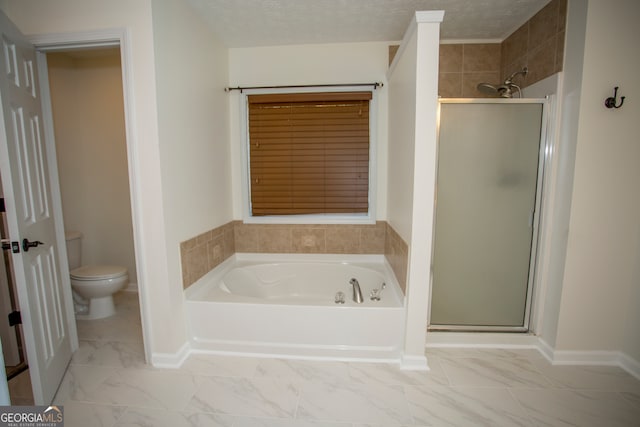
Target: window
x,y
309,153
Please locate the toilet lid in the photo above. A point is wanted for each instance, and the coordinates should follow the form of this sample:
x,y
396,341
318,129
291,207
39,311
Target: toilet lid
x,y
98,272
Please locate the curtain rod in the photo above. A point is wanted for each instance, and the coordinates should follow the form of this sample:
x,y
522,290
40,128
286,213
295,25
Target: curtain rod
x,y
375,86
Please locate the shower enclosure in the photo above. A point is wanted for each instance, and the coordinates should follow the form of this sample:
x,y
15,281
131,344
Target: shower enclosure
x,y
490,163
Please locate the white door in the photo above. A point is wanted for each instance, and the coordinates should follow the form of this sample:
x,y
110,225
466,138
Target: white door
x,y
27,192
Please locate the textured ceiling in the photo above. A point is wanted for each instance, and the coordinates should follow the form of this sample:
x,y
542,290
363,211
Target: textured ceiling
x,y
244,23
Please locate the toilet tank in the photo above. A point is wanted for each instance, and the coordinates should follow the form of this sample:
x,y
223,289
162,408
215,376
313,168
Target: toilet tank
x,y
74,242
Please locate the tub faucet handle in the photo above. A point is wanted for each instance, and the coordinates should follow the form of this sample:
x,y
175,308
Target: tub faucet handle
x,y
376,293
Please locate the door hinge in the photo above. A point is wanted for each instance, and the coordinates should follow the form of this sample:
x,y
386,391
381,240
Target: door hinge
x,y
15,318
2,207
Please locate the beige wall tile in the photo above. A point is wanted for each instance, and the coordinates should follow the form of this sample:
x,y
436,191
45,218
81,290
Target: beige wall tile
x,y
541,62
393,49
206,251
483,57
543,25
515,46
543,30
188,244
246,237
274,239
201,254
450,58
559,51
372,238
215,252
562,15
204,237
183,266
450,85
229,239
308,240
197,263
343,240
397,254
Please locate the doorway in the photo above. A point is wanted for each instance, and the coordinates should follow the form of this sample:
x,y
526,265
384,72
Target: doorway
x,y
86,89
489,180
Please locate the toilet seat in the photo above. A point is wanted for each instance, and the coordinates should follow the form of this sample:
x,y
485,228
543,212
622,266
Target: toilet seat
x,y
89,273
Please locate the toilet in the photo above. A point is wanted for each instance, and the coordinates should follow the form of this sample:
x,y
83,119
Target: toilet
x,y
93,285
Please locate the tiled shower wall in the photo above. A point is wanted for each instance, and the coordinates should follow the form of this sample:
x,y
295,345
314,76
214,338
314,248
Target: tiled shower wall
x,y
463,66
538,44
204,252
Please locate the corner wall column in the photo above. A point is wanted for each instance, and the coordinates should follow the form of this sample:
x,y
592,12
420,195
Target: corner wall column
x,y
413,109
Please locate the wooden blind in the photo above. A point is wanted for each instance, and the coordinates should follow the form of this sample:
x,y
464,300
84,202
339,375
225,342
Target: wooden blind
x,y
309,153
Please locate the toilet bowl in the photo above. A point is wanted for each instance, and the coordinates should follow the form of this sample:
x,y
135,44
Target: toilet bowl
x,y
97,284
93,286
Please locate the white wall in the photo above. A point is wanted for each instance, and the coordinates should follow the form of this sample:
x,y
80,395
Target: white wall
x,y
88,112
599,306
402,128
557,205
191,74
37,18
309,64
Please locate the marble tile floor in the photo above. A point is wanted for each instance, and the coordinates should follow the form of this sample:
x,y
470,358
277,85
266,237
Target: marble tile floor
x,y
108,384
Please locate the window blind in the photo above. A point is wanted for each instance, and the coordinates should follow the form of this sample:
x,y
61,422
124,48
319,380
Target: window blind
x,y
309,153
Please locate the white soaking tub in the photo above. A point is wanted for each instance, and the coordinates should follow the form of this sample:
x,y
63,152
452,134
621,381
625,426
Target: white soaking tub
x,y
285,305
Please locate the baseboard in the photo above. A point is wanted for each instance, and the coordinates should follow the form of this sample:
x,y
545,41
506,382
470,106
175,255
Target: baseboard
x,y
515,341
546,350
602,358
629,364
414,363
436,339
171,360
593,358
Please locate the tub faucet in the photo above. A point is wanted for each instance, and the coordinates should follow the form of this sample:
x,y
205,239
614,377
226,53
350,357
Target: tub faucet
x,y
357,293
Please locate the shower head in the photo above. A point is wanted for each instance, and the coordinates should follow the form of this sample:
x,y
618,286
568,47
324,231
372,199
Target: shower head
x,y
487,88
508,90
504,90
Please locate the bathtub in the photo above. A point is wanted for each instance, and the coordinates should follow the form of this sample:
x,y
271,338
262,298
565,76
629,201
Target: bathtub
x,y
285,305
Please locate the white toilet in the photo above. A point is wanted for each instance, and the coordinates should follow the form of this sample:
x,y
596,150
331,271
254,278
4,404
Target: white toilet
x,y
93,285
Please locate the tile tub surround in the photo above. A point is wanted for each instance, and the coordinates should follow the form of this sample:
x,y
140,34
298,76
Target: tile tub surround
x,y
396,251
311,238
108,384
206,251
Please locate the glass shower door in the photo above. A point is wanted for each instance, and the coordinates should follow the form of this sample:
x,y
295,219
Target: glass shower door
x,y
488,162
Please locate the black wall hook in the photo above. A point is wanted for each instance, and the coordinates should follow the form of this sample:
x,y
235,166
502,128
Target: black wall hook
x,y
612,100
